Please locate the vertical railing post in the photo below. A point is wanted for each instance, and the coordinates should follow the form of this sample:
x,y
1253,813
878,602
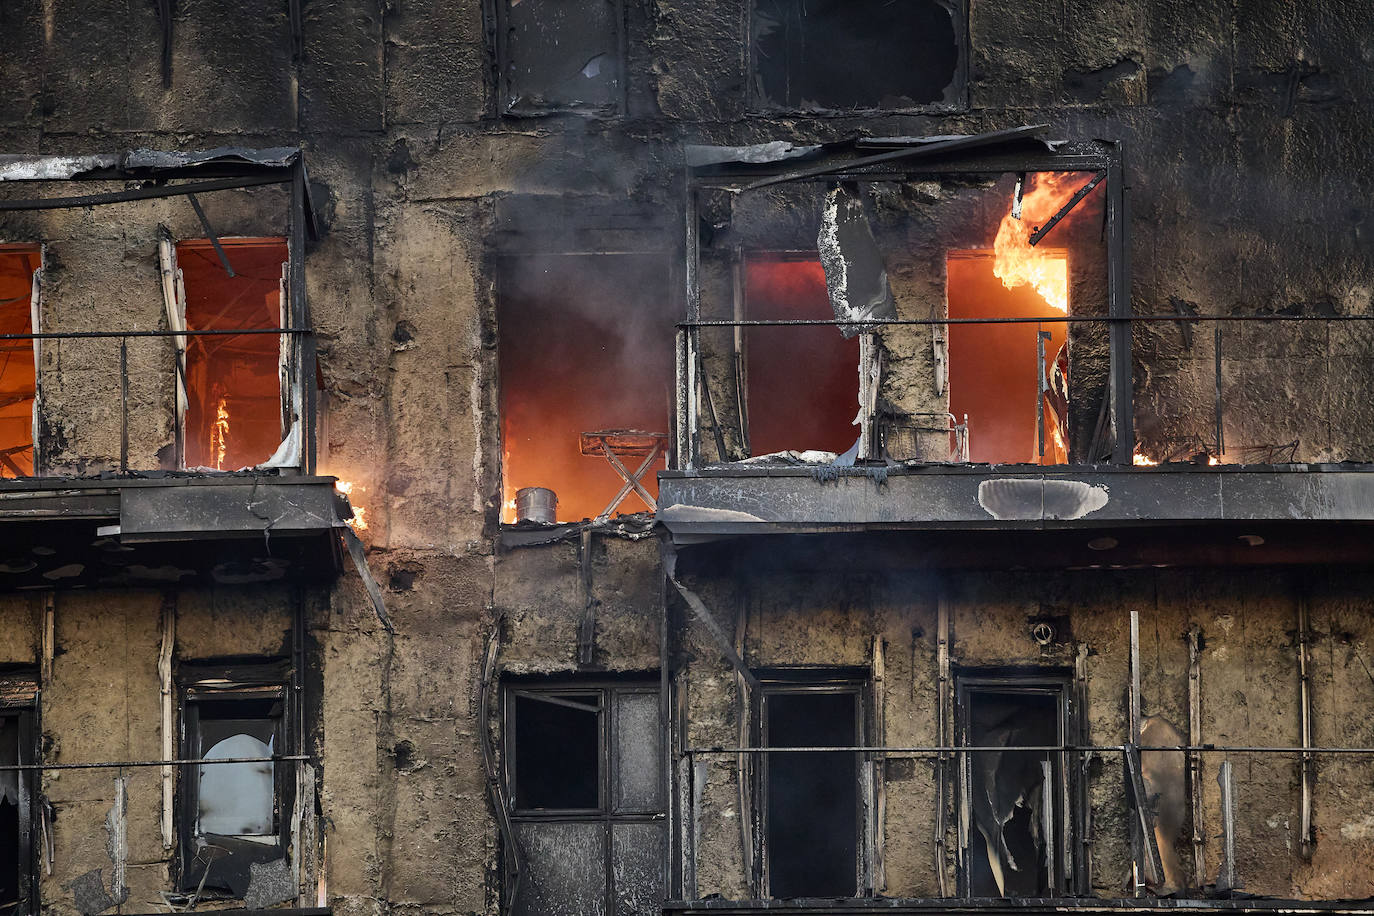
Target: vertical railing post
x,y
124,404
1119,312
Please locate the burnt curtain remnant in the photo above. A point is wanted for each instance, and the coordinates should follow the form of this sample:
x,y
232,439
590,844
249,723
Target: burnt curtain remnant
x,y
1013,798
812,838
845,54
854,273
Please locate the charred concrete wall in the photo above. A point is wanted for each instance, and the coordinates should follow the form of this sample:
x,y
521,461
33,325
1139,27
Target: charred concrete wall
x,y
887,625
1246,142
100,701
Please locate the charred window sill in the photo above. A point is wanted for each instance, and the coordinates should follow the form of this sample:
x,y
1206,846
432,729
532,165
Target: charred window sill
x,y
533,534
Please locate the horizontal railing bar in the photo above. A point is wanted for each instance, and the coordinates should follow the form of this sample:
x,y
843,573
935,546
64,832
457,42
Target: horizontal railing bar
x,y
218,332
129,764
1044,748
143,193
1056,319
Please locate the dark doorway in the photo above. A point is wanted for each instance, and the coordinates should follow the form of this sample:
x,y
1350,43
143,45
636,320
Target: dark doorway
x,y
812,837
1015,800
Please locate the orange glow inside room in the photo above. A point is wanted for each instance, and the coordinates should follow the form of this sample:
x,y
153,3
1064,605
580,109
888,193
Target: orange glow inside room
x,y
234,408
17,377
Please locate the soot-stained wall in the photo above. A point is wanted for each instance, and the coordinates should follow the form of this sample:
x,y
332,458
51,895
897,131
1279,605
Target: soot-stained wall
x,y
1245,139
886,625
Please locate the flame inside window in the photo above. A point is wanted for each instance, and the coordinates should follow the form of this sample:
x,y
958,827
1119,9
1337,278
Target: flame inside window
x,y
234,416
17,377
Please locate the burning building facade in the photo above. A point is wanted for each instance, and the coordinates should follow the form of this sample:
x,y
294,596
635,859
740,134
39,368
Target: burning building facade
x,y
602,457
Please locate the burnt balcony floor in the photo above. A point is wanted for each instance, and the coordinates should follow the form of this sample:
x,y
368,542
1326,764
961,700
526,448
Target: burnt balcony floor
x,y
740,499
1026,516
1060,905
167,530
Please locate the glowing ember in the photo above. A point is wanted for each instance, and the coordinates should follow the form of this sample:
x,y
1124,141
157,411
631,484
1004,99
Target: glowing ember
x,y
359,521
219,434
1143,460
1018,264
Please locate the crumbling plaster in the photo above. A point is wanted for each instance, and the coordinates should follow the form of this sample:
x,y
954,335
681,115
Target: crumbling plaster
x,y
1246,146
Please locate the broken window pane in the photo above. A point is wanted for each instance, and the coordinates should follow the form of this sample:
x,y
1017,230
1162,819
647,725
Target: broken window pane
x,y
234,415
586,346
637,868
813,799
564,868
10,849
639,752
560,54
587,797
1007,851
234,811
846,54
17,376
803,380
557,751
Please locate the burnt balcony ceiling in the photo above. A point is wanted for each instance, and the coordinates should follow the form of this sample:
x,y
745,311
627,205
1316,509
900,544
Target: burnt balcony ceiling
x,y
230,530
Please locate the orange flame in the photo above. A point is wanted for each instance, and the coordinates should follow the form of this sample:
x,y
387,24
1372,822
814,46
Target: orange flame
x,y
359,521
219,434
1143,461
1017,263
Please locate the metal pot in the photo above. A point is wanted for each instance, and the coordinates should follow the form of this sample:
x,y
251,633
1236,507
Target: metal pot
x,y
536,504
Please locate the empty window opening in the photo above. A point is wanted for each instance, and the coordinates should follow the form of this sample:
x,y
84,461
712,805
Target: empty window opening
x,y
585,768
802,380
812,837
995,378
234,811
10,855
18,384
235,413
586,346
847,54
559,54
1015,801
558,764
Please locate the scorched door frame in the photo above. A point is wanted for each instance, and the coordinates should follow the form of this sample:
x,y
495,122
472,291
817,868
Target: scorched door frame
x,y
814,683
1069,795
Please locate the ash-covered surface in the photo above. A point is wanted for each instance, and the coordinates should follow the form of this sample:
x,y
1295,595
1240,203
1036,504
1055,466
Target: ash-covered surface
x,y
1246,136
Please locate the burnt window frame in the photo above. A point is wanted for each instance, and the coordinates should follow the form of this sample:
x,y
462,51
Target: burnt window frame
x,y
19,701
498,31
989,155
592,239
1071,791
759,106
607,813
808,681
199,685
